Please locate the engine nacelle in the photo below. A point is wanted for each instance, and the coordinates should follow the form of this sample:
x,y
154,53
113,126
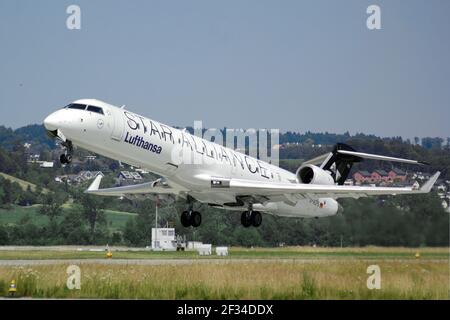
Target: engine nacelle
x,y
311,174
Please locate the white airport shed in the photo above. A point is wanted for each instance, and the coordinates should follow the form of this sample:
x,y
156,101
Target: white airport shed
x,y
164,239
46,164
222,251
204,249
193,245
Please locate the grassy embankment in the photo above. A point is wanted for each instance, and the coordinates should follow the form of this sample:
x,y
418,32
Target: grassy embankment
x,y
22,183
335,274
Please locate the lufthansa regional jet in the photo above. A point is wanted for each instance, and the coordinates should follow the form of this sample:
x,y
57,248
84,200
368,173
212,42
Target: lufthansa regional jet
x,y
223,177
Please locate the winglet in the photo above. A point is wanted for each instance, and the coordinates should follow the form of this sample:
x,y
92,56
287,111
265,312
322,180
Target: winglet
x,y
429,184
95,184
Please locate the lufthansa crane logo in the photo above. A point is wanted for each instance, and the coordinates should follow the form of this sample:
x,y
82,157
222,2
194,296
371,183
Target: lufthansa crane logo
x,y
100,123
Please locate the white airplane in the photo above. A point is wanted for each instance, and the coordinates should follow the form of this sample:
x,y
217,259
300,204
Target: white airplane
x,y
223,177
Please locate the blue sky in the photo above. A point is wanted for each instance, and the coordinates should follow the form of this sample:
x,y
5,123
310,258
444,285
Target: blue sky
x,y
292,65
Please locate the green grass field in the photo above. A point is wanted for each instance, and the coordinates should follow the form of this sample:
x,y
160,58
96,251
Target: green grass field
x,y
115,219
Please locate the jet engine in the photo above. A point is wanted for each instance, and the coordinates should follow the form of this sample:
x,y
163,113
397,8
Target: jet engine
x,y
311,174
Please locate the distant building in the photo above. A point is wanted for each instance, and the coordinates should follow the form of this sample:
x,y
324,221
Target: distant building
x,y
380,176
164,239
362,176
88,175
397,175
141,171
129,176
69,178
348,182
34,157
46,164
421,176
78,178
416,185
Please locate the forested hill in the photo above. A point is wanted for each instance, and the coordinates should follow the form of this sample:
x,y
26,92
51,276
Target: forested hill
x,y
34,134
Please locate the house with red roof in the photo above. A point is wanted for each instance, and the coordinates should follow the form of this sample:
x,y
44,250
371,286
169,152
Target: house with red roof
x,y
397,175
362,176
380,176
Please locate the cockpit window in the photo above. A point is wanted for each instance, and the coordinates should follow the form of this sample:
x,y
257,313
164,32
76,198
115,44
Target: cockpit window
x,y
95,109
76,106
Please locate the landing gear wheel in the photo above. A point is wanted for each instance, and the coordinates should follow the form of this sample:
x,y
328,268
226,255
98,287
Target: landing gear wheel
x,y
245,219
185,219
256,218
196,219
63,159
66,157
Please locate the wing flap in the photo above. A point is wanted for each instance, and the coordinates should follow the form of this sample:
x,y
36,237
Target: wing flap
x,y
318,191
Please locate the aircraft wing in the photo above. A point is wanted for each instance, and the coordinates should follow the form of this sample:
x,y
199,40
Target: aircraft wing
x,y
155,187
271,190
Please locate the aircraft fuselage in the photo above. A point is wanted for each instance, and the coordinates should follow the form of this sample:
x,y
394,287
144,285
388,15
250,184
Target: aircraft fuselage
x,y
187,161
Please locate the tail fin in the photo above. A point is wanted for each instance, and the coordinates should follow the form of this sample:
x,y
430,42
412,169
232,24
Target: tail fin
x,y
340,164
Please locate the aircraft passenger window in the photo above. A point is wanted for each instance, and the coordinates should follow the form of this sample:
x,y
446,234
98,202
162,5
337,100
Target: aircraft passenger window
x,y
76,106
95,109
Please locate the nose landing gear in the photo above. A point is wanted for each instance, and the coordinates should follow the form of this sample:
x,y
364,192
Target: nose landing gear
x,y
66,157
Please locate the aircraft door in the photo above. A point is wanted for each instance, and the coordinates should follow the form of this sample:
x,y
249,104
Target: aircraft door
x,y
117,123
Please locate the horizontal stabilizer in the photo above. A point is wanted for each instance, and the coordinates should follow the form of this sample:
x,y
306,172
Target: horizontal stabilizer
x,y
156,187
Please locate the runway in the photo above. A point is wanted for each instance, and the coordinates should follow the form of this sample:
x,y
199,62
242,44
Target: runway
x,y
158,262
155,262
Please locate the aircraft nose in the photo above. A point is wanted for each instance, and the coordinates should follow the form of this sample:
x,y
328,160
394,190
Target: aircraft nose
x,y
52,122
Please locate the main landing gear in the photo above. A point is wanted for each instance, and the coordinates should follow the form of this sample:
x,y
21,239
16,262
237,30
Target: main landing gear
x,y
191,218
251,218
66,157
